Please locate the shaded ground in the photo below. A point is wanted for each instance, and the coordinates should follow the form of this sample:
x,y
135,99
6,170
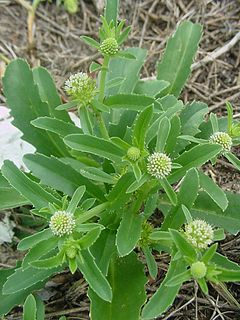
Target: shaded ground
x,y
58,47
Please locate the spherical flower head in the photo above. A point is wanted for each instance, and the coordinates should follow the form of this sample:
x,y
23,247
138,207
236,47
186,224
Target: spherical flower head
x,y
81,87
223,139
133,153
198,270
199,233
71,6
159,165
109,46
62,223
71,252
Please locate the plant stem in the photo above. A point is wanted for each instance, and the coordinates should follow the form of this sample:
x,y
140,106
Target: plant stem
x,y
102,82
103,75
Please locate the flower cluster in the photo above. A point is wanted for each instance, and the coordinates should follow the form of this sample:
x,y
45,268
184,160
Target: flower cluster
x,y
159,165
109,46
81,87
199,233
223,139
62,223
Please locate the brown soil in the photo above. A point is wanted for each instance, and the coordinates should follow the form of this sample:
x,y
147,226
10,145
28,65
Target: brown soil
x,y
57,46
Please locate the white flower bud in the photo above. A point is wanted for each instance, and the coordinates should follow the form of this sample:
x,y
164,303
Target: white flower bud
x,y
199,233
62,223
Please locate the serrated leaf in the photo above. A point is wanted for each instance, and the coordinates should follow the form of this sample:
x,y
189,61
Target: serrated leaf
x,y
95,278
24,100
98,175
34,239
25,186
164,296
23,279
169,191
90,41
94,145
77,196
162,134
57,126
151,88
213,190
179,279
185,248
141,126
151,263
56,174
39,250
30,308
178,56
135,102
233,159
127,279
195,157
88,239
129,232
49,263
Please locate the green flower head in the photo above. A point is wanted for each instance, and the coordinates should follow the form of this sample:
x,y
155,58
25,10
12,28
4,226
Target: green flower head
x,y
62,223
198,270
109,46
81,87
223,139
133,153
159,165
199,233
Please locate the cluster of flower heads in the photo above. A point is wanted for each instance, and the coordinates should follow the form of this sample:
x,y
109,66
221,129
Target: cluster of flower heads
x,y
223,139
159,165
199,233
62,223
81,87
109,46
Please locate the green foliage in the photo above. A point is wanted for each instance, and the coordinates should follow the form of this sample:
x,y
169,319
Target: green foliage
x,y
97,187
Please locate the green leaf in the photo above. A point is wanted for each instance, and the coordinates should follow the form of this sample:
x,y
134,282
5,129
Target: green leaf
x,y
40,308
68,105
209,253
129,232
57,126
39,250
219,234
229,275
141,126
90,41
183,245
164,296
127,69
151,263
88,239
94,145
162,134
111,11
169,191
195,157
214,191
214,122
34,239
127,279
123,36
56,174
225,263
233,159
22,279
125,55
178,56
49,263
129,101
98,175
150,88
28,188
48,93
96,280
175,129
160,235
103,249
100,106
94,67
187,195
138,183
179,279
30,308
86,121
151,205
25,103
77,196
10,198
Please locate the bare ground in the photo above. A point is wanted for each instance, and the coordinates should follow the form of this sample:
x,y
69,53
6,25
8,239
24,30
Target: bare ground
x,y
58,47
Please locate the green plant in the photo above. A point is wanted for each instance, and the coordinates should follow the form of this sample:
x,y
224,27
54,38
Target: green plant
x,y
96,187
